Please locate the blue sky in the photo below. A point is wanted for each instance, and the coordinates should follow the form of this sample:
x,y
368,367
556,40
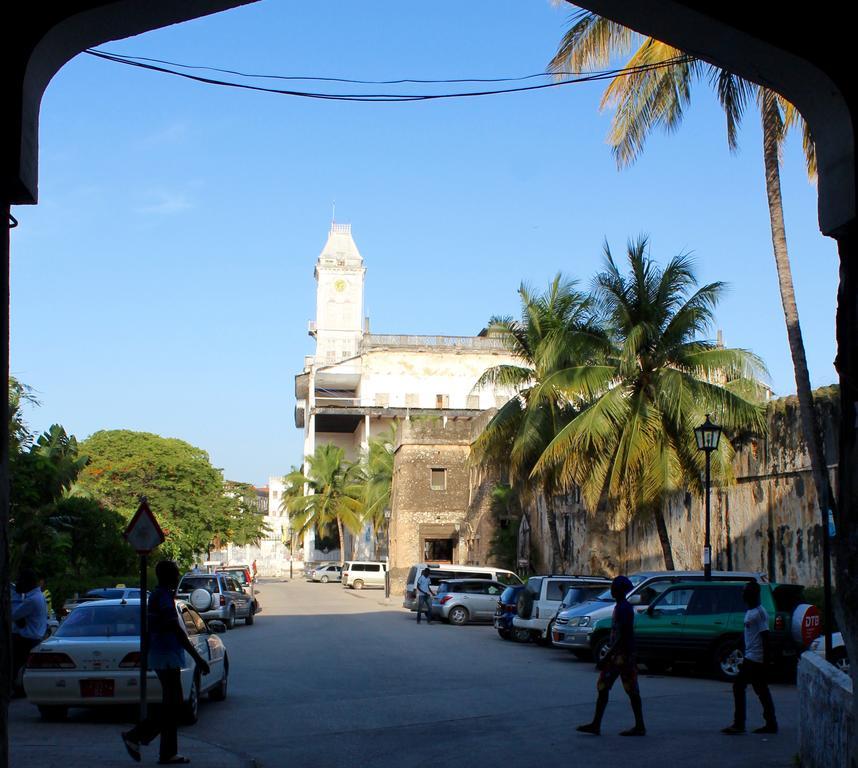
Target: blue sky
x,y
165,279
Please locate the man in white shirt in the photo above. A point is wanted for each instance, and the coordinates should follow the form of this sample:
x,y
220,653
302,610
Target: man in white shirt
x,y
29,620
753,669
424,596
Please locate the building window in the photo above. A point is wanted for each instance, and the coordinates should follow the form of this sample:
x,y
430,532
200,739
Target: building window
x,y
274,494
501,400
438,479
474,402
382,399
438,551
412,400
442,401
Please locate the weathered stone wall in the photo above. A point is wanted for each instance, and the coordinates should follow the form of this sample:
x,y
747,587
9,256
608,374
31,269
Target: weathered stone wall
x,y
825,727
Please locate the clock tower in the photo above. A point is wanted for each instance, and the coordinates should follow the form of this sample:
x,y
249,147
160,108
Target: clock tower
x,y
339,297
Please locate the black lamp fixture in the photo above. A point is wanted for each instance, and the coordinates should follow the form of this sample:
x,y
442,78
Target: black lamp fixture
x,y
708,436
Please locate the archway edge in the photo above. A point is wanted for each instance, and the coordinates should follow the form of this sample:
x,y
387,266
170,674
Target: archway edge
x,y
775,48
45,36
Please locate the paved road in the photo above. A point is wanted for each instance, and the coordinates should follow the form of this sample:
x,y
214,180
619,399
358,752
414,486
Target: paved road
x,y
328,678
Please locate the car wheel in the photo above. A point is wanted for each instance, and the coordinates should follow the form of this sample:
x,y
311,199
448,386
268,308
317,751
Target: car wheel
x,y
601,646
218,693
505,634
840,660
357,584
249,619
53,713
545,640
521,635
324,579
458,616
728,660
191,708
230,622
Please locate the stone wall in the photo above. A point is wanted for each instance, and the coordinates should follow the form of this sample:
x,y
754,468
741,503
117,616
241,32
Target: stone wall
x,y
825,726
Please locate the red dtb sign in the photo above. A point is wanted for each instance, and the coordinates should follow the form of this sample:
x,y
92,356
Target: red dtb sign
x,y
806,624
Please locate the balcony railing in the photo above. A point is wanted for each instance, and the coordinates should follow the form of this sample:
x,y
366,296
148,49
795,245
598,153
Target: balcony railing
x,y
376,340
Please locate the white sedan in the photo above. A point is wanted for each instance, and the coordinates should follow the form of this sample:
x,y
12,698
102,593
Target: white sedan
x,y
93,660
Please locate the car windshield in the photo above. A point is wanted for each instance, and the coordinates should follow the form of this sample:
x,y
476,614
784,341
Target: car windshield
x,y
508,578
508,595
190,583
94,620
238,574
605,597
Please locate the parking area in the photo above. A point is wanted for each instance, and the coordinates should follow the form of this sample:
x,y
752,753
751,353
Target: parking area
x,y
334,677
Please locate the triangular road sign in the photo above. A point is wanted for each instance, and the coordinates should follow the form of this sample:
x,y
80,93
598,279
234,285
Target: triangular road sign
x,y
143,532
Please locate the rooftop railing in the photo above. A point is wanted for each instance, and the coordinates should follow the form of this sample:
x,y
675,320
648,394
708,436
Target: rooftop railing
x,y
375,340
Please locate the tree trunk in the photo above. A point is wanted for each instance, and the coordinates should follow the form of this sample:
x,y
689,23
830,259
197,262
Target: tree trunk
x,y
556,554
663,537
342,541
807,414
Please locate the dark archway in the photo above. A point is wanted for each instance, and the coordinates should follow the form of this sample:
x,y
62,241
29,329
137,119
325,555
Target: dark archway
x,y
763,43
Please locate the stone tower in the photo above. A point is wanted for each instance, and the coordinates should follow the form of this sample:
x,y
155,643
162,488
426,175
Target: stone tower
x,y
339,273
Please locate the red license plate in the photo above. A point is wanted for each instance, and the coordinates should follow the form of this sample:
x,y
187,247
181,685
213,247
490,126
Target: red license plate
x,y
91,689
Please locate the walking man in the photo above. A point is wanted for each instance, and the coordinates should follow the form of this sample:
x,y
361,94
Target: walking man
x,y
619,662
29,622
424,596
753,669
168,642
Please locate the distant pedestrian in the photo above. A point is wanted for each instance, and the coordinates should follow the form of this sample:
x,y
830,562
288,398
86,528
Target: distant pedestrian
x,y
424,596
753,669
29,622
167,643
253,569
619,662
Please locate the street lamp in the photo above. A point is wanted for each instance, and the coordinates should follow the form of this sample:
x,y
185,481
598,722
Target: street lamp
x,y
708,435
387,556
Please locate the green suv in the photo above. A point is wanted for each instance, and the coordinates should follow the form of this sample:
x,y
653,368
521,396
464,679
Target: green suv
x,y
703,623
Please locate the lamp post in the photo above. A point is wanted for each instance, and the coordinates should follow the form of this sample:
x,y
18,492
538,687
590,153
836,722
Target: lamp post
x,y
387,555
708,435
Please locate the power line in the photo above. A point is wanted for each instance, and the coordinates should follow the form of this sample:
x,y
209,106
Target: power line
x,y
584,77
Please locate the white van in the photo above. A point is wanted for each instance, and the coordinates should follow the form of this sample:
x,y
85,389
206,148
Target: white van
x,y
358,574
439,572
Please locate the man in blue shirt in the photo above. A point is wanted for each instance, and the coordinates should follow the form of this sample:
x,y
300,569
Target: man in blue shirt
x,y
29,620
168,642
619,662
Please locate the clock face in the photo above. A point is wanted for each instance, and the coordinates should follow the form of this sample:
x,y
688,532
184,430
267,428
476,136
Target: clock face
x,y
340,286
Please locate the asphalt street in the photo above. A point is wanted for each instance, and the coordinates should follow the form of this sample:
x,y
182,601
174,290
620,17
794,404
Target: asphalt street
x,y
332,678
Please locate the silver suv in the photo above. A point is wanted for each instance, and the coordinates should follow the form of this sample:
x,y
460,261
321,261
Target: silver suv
x,y
217,596
462,600
537,604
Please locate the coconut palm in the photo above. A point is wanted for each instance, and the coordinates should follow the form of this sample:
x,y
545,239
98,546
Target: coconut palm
x,y
655,93
378,479
555,332
631,441
331,494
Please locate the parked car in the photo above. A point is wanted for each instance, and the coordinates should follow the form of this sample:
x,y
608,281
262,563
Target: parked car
x,y
249,578
326,573
538,603
443,572
460,601
242,575
358,574
702,623
573,627
310,566
102,593
93,660
505,612
838,649
217,596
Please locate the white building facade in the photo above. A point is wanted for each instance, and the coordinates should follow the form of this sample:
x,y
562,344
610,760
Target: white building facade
x,y
357,384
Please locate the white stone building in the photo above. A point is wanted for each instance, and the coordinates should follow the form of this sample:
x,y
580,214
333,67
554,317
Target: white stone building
x,y
358,382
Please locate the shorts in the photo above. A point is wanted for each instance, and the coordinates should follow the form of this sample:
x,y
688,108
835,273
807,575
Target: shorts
x,y
623,667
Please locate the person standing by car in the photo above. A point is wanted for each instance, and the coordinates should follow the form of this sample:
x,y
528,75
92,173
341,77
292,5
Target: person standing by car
x,y
753,669
619,662
424,596
29,621
167,643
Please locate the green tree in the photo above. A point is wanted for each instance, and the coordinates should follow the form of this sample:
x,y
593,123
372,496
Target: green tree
x,y
657,97
377,481
242,524
332,494
632,440
506,514
184,490
556,331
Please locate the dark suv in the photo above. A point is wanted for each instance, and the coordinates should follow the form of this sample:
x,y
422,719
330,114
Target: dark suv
x,y
506,612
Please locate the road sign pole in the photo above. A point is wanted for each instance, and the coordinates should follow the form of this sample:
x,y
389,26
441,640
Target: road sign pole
x,y
144,635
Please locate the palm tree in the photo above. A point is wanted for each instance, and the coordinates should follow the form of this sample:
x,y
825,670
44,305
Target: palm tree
x,y
378,480
330,493
631,441
657,96
555,332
